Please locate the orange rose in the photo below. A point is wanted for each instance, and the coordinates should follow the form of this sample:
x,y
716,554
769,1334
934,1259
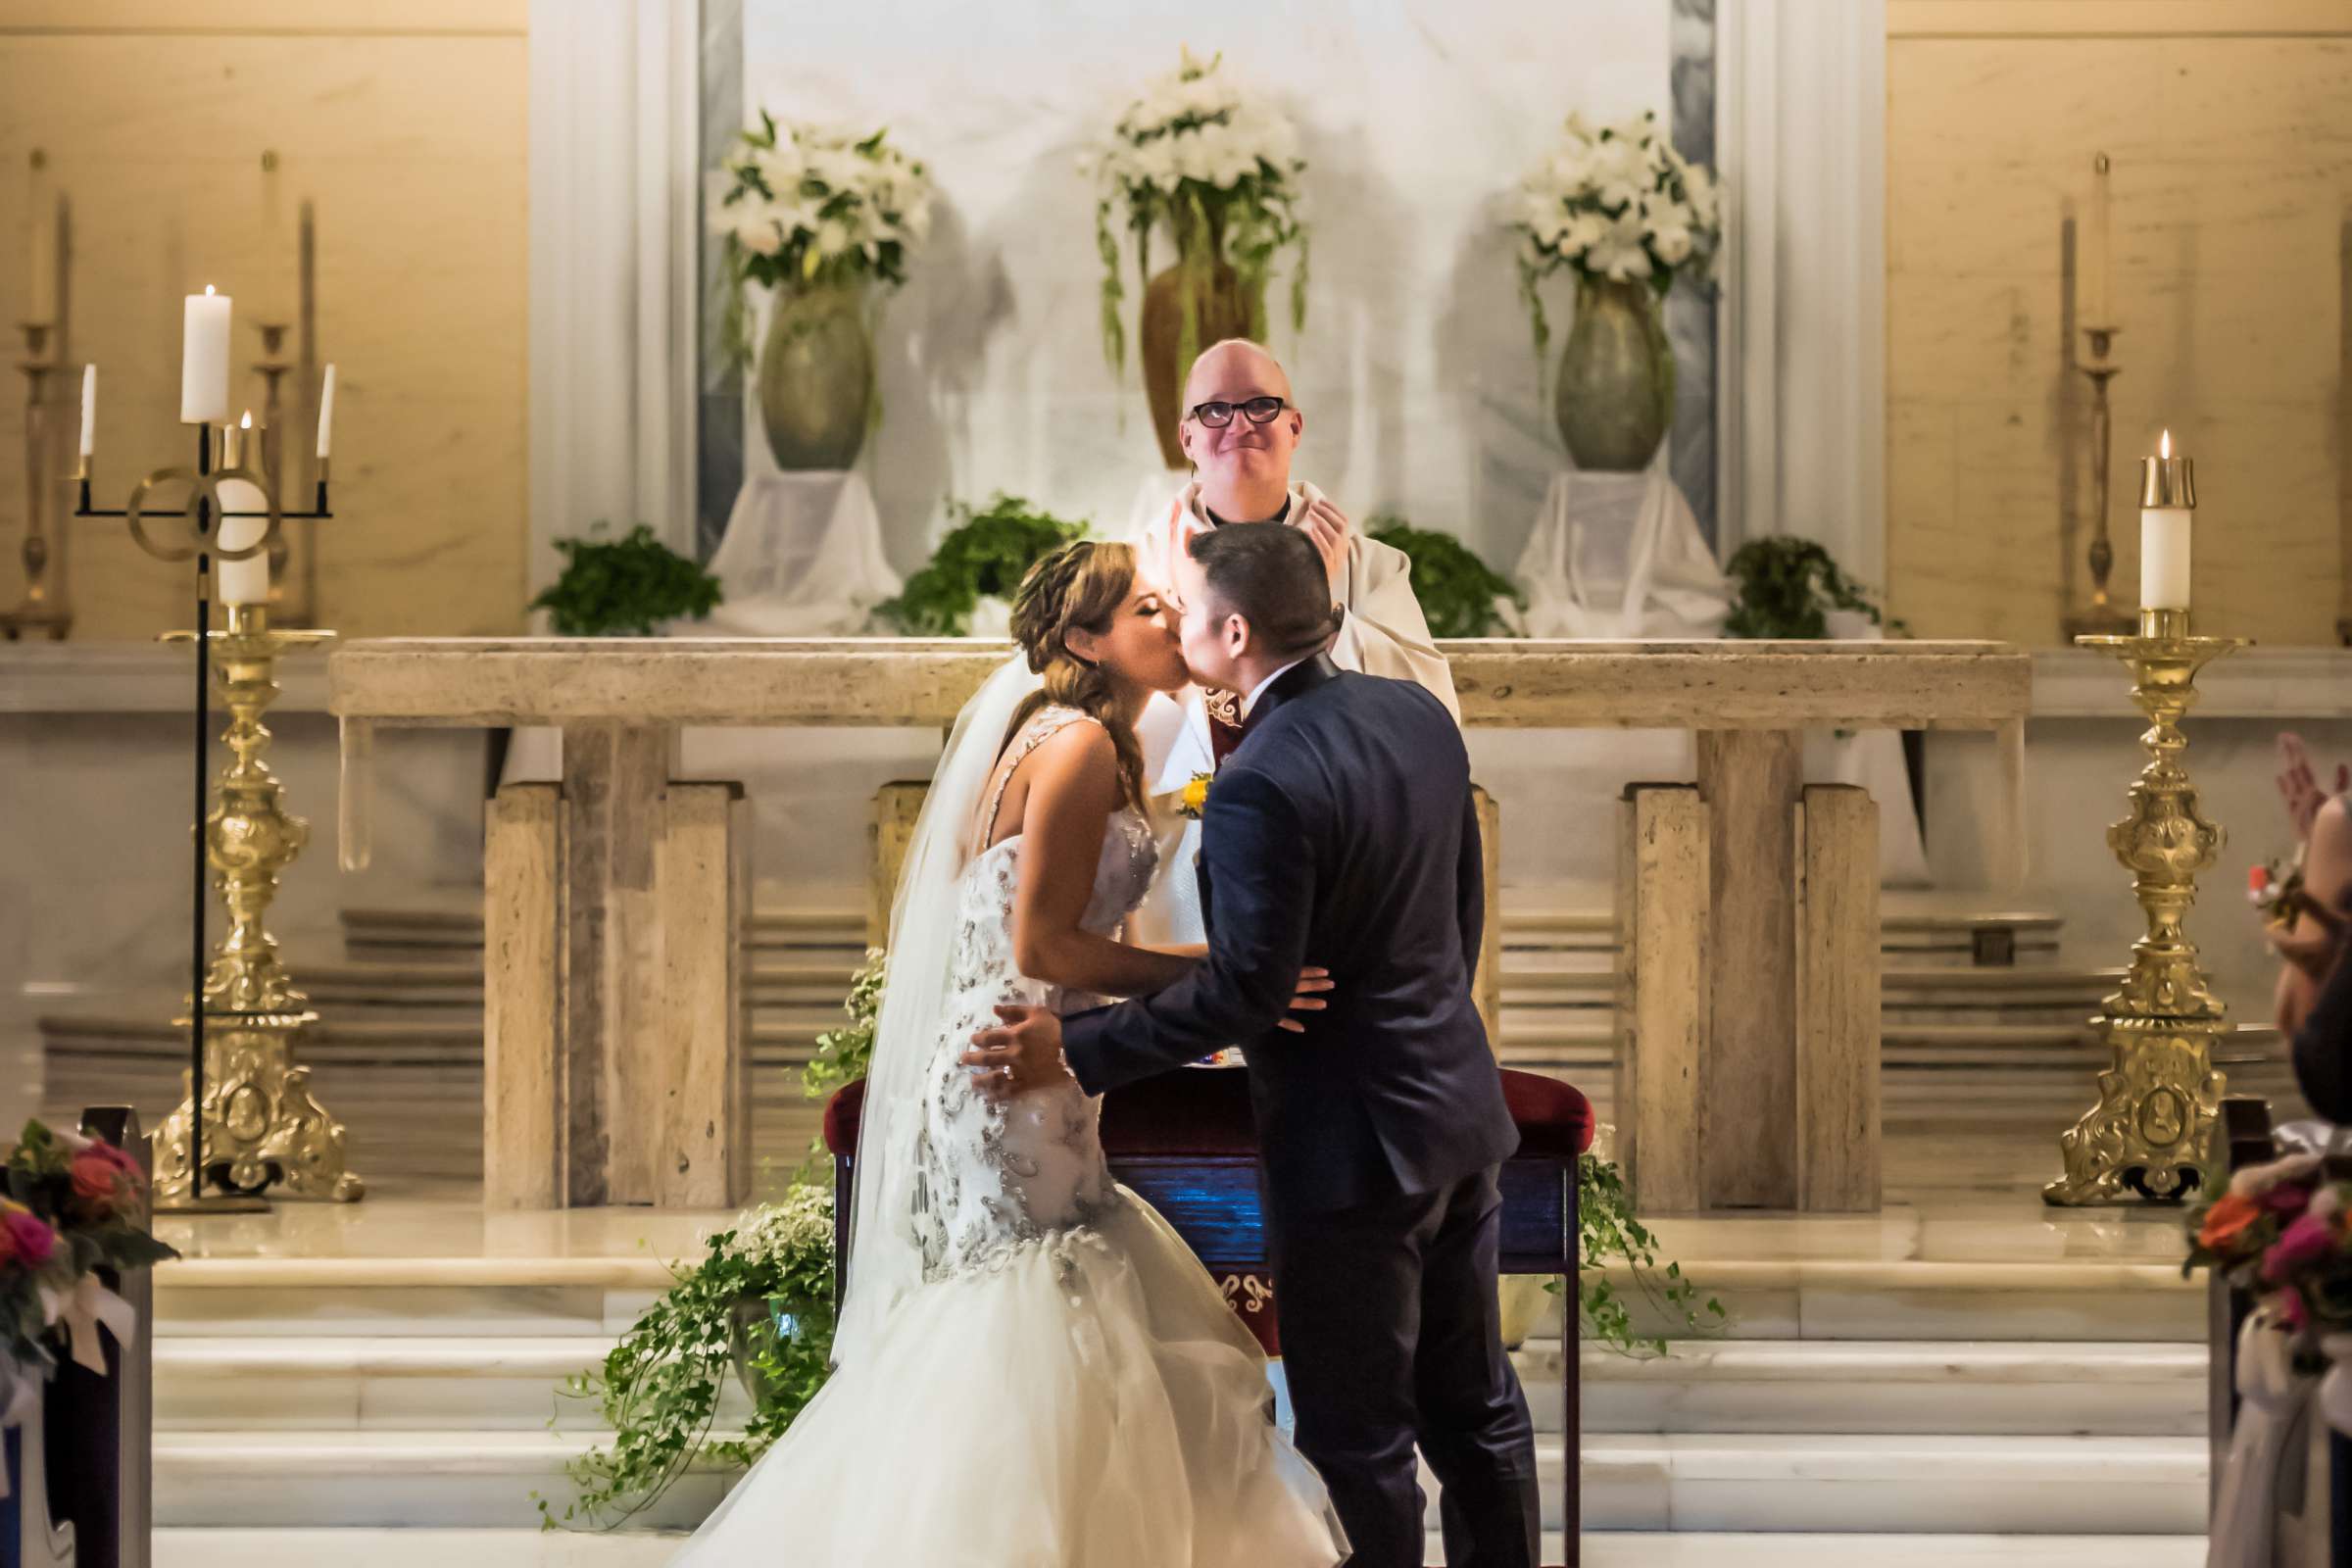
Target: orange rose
x,y
2226,1220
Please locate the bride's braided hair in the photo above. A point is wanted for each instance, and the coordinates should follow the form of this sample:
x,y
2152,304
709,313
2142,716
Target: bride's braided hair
x,y
1078,587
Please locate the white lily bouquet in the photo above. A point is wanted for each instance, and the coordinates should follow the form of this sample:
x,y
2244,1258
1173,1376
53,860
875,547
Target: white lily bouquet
x,y
1616,204
801,206
1222,171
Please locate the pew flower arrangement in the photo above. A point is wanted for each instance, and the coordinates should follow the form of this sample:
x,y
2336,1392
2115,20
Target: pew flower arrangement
x,y
72,1206
2279,1232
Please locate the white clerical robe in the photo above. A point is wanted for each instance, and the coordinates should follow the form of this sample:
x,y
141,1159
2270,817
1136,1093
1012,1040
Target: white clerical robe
x,y
1385,633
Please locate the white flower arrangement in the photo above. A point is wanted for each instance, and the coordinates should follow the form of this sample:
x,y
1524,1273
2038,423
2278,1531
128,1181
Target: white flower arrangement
x,y
1616,204
801,206
1222,170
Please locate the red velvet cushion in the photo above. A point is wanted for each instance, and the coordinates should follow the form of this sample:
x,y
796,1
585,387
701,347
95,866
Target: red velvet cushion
x,y
840,1116
1205,1110
1554,1118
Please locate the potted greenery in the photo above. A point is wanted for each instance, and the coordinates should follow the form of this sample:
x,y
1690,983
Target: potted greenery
x,y
978,564
625,587
1788,587
1460,594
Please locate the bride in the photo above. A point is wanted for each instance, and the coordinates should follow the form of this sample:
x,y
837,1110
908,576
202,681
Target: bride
x,y
1032,1370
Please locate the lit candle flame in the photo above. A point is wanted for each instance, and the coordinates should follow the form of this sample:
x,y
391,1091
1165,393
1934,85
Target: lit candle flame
x,y
2163,445
208,288
246,424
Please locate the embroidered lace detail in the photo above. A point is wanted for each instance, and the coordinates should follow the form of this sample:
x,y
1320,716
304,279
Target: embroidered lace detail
x,y
996,1180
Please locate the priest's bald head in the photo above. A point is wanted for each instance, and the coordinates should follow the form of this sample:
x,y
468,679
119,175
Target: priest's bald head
x,y
1240,426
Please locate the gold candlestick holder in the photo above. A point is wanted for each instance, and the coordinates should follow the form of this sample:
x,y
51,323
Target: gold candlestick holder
x,y
2102,619
2151,1135
45,609
263,1126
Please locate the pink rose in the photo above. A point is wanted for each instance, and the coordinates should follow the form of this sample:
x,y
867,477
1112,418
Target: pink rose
x,y
101,1173
2292,1309
27,1238
2306,1241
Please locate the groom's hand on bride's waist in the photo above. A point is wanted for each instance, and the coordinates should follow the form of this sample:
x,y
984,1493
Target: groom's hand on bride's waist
x,y
1022,1051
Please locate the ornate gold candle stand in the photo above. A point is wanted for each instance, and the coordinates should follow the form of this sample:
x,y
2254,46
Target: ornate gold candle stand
x,y
2151,1135
263,1126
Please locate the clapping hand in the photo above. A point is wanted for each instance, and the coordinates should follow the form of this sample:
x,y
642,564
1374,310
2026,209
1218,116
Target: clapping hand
x,y
1328,526
2299,786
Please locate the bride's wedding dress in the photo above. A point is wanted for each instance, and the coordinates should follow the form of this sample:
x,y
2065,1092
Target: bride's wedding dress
x,y
1065,1387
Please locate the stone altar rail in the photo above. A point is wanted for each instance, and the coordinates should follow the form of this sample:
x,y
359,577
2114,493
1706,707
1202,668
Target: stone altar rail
x,y
1748,1069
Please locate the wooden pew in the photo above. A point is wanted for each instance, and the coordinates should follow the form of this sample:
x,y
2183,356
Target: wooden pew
x,y
2246,1138
86,1497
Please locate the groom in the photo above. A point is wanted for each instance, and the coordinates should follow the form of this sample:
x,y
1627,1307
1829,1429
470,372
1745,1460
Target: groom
x,y
1341,827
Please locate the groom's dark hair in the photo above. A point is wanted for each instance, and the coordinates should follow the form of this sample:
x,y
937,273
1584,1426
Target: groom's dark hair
x,y
1272,576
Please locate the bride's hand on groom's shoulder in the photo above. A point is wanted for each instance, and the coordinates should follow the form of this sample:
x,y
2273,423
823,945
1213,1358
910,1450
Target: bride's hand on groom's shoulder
x,y
1307,996
1022,1051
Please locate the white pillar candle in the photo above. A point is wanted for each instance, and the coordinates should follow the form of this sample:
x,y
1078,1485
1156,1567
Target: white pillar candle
x,y
2098,270
89,410
40,305
2168,499
204,360
247,581
326,412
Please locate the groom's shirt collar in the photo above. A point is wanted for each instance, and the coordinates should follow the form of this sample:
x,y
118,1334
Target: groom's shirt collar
x,y
1259,690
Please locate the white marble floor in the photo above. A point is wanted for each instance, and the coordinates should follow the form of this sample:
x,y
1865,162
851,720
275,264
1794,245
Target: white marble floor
x,y
1967,1198
525,1549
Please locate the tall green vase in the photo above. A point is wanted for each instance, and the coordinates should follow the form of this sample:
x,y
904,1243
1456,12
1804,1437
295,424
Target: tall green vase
x,y
816,378
1205,287
1615,400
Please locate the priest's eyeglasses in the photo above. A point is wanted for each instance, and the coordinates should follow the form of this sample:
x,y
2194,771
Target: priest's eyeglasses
x,y
1217,415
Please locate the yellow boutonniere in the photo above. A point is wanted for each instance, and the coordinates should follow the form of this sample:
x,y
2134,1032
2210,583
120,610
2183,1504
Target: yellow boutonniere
x,y
1193,798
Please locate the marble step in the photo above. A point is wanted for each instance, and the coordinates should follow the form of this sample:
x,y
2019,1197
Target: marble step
x,y
510,1383
385,1478
1763,1482
1911,1388
187,1548
1771,1298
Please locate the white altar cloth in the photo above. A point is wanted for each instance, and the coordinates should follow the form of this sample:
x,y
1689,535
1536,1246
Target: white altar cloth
x,y
802,555
1620,555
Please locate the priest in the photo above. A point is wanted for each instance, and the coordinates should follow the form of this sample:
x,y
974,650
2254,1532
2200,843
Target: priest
x,y
1240,426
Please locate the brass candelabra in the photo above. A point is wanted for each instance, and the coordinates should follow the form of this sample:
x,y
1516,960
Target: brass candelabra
x,y
2151,1135
263,1126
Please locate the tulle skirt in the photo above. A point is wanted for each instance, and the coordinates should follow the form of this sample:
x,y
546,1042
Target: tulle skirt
x,y
1090,1404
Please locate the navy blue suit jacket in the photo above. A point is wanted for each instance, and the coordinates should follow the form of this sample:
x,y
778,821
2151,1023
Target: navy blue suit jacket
x,y
1339,832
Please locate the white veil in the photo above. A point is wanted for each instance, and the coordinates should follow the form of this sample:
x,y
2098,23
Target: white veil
x,y
885,1252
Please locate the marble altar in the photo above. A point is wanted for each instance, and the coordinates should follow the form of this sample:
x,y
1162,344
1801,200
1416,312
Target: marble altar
x,y
621,704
